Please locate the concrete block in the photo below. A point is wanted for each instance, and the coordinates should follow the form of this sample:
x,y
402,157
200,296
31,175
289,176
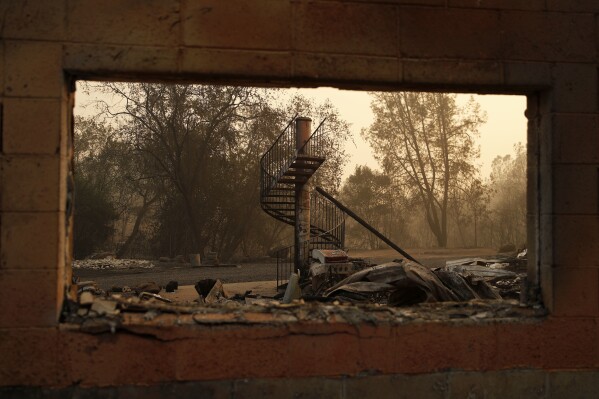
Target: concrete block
x,y
433,385
238,24
576,189
346,28
320,354
576,240
31,126
575,88
576,138
24,78
527,74
449,33
546,271
116,359
2,68
320,387
29,357
196,390
346,68
144,22
32,183
470,75
43,20
569,343
587,6
408,2
518,345
579,384
21,232
257,356
236,63
575,291
122,60
497,384
536,36
499,4
423,348
30,298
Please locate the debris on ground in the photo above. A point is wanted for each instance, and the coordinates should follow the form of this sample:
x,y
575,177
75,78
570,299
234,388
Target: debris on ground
x,y
505,273
150,287
147,295
210,291
111,263
171,286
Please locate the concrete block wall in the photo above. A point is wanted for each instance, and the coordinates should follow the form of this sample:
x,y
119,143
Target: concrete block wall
x,y
545,49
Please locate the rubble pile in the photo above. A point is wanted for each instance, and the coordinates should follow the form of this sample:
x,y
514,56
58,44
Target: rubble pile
x,y
462,287
111,263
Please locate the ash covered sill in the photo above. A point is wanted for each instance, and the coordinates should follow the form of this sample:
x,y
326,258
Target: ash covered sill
x,y
166,317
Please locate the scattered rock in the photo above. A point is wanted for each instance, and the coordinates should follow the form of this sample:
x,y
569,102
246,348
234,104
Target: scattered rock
x,y
112,264
103,307
210,290
172,286
150,287
86,298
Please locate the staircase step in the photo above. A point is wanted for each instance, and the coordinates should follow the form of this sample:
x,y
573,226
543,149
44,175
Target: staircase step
x,y
313,158
298,173
278,203
293,179
305,165
278,196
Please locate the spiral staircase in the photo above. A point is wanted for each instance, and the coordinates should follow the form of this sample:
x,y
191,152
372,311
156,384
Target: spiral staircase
x,y
285,169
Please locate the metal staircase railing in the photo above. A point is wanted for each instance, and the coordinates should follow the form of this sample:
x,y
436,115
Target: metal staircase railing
x,y
327,231
282,168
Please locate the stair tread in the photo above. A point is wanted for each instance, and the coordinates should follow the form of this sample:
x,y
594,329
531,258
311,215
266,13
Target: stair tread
x,y
298,173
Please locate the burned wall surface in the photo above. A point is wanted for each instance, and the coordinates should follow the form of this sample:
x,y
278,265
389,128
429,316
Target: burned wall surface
x,y
545,49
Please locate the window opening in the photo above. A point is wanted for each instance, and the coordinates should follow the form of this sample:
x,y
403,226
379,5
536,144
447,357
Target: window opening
x,y
203,194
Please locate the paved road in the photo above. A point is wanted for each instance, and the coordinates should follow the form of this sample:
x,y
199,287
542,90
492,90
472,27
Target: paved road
x,y
162,273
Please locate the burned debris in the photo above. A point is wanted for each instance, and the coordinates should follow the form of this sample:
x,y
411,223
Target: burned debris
x,y
316,270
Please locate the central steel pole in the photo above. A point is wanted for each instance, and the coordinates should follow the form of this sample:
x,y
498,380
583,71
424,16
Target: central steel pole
x,y
303,128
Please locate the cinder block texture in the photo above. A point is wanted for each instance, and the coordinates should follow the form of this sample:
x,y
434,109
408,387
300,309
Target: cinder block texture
x,y
32,183
576,240
29,357
32,240
41,20
339,27
574,88
280,388
535,5
576,189
346,68
543,36
238,24
464,34
32,126
141,22
120,60
30,299
576,138
33,69
240,63
576,291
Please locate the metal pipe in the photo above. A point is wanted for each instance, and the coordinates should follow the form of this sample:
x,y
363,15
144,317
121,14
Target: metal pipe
x,y
303,129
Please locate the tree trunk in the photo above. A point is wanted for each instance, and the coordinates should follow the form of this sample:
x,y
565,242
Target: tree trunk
x,y
135,232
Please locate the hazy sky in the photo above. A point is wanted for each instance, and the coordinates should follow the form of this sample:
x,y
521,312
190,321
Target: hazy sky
x,y
506,123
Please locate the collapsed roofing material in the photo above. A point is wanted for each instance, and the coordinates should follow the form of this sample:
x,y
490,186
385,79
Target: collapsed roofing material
x,y
409,283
